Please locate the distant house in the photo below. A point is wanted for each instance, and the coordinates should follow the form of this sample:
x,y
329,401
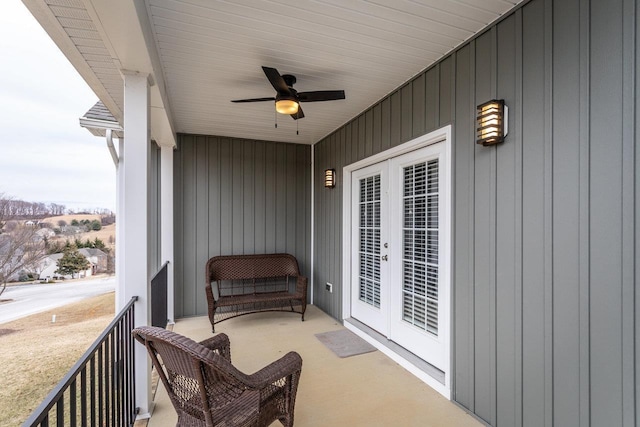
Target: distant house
x,y
96,258
45,233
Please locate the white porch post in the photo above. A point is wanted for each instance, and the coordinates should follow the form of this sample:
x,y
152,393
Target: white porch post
x,y
166,221
136,180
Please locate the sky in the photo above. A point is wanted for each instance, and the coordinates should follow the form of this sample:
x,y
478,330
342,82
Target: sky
x,y
45,156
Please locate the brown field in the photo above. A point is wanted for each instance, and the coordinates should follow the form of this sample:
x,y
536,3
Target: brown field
x,y
104,234
36,354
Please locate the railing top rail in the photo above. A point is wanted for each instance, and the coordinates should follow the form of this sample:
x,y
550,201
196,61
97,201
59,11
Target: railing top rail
x,y
43,409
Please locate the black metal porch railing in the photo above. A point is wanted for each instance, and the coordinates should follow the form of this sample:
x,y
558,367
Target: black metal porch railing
x,y
159,297
99,390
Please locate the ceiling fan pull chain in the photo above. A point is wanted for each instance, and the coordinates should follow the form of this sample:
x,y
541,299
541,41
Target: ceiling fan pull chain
x,y
297,126
276,118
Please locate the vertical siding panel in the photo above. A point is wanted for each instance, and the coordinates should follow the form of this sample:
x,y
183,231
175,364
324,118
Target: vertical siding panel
x,y
566,209
202,222
190,230
406,94
214,196
377,128
463,152
432,98
271,189
533,342
484,244
290,168
506,281
237,197
396,117
606,213
368,139
385,124
418,106
636,94
178,222
338,285
446,86
226,196
281,198
628,170
585,159
248,191
346,145
352,132
260,202
303,160
362,137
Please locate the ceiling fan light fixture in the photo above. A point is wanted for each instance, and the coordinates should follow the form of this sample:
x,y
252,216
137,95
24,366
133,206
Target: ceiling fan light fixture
x,y
286,106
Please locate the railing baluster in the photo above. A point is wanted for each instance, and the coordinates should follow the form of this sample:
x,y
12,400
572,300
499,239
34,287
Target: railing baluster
x,y
60,412
111,382
83,397
92,391
72,404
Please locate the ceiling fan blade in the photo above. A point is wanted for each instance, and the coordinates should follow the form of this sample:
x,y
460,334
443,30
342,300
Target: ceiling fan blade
x,y
298,115
321,95
276,81
254,100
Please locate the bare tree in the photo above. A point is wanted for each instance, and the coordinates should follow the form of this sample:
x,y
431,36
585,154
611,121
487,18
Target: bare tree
x,y
21,249
5,213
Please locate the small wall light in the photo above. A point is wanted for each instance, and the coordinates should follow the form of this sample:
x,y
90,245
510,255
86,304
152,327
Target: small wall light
x,y
492,119
330,178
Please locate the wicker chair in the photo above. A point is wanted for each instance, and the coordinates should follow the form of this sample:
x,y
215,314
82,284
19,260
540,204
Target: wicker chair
x,y
207,390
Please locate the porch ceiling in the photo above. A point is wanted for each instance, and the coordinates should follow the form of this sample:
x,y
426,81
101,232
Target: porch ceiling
x,y
201,54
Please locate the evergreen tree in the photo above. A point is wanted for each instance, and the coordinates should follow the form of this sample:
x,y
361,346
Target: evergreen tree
x,y
72,262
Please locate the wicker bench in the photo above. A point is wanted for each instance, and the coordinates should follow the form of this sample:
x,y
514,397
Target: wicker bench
x,y
244,284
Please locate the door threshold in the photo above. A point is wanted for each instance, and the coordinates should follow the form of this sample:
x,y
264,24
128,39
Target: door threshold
x,y
426,372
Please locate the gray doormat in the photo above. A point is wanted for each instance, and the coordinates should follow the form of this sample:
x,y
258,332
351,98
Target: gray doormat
x,y
345,343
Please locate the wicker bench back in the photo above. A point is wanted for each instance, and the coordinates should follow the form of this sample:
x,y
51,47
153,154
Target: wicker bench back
x,y
241,284
238,267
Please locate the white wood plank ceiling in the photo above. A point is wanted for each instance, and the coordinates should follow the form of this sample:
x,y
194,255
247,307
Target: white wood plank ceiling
x,y
211,52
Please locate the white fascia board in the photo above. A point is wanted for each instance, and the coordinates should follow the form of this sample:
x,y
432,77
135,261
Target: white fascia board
x,y
128,35
48,21
100,124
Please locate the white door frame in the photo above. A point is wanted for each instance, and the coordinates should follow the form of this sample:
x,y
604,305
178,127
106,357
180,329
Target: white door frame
x,y
442,135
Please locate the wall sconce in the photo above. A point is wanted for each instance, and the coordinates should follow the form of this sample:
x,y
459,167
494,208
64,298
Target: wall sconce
x,y
492,120
330,178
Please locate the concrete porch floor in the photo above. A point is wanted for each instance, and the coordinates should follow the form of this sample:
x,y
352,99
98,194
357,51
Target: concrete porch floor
x,y
364,390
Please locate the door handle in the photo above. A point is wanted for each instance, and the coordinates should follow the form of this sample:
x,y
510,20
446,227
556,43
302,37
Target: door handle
x,y
384,258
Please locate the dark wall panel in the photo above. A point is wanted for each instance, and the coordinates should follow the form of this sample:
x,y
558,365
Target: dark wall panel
x,y
545,245
237,196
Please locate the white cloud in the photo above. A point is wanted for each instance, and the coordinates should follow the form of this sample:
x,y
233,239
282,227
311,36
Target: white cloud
x,y
45,156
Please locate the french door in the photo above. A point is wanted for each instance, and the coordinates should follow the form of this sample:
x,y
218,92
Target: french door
x,y
399,286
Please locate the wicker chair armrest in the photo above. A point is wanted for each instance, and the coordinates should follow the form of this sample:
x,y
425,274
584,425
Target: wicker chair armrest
x,y
209,292
219,344
301,285
287,365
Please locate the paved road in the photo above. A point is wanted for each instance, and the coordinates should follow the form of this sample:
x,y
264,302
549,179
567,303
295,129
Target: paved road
x,y
31,299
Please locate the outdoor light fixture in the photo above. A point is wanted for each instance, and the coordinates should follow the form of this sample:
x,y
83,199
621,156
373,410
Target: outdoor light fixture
x,y
492,122
330,178
286,106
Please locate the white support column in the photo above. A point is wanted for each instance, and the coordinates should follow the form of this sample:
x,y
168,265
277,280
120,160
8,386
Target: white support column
x,y
166,224
136,275
120,209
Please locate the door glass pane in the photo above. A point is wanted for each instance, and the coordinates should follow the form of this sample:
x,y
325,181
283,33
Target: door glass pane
x,y
369,245
420,246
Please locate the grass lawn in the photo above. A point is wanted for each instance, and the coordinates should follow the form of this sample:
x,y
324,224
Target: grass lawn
x,y
35,353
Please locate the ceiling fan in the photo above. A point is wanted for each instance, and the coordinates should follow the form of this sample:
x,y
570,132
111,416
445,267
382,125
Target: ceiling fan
x,y
287,98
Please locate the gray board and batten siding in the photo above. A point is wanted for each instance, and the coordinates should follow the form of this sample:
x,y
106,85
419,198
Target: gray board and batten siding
x,y
236,196
546,234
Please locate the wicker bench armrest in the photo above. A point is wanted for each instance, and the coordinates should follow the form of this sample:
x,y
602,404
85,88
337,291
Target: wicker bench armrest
x,y
288,364
301,285
219,344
